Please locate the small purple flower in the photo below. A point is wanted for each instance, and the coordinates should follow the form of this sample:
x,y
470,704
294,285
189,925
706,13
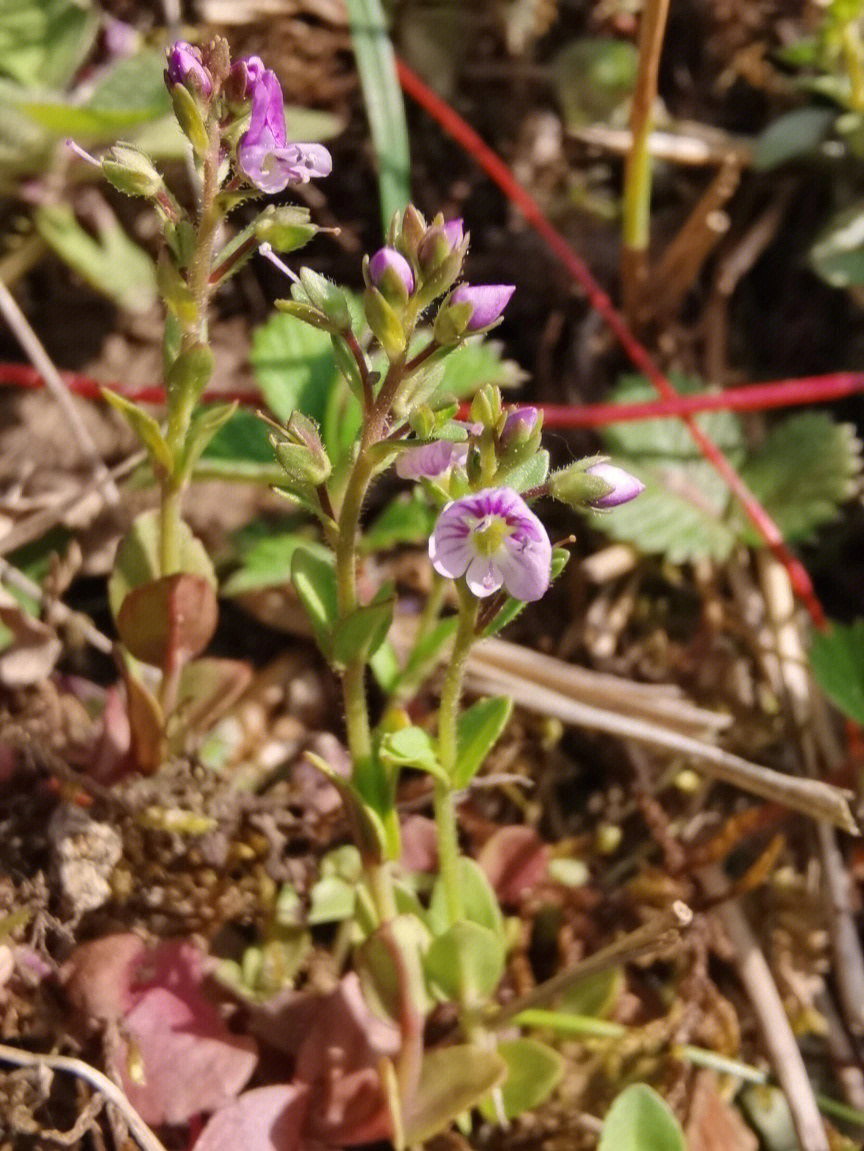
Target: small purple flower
x,y
624,486
429,461
519,425
185,67
264,155
493,539
391,273
488,301
454,230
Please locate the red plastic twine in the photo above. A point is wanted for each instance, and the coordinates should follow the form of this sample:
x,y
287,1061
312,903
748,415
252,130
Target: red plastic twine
x,y
499,173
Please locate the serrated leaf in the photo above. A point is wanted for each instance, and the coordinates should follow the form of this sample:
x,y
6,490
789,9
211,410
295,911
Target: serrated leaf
x,y
45,41
533,1072
362,633
452,1079
465,963
837,660
138,559
683,512
639,1120
295,369
801,473
473,364
267,562
791,136
479,729
837,256
110,262
314,580
407,519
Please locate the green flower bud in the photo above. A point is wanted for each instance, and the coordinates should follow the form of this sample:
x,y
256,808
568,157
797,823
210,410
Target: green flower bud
x,y
285,228
132,172
301,453
486,406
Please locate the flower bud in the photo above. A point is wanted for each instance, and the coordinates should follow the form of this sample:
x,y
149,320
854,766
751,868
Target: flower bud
x,y
132,172
594,483
440,241
242,78
622,486
185,67
520,426
301,453
487,301
285,228
392,275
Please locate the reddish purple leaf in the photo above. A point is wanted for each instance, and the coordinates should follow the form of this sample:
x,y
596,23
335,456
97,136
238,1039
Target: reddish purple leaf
x,y
514,859
264,1119
189,1061
169,621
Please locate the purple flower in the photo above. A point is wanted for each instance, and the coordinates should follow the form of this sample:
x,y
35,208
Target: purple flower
x,y
429,461
623,486
493,539
488,301
264,155
454,230
185,67
390,272
519,425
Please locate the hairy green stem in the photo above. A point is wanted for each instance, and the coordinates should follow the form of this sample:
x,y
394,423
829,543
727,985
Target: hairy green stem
x,y
448,753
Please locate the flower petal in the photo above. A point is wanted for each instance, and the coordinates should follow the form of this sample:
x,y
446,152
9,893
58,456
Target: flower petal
x,y
525,566
483,576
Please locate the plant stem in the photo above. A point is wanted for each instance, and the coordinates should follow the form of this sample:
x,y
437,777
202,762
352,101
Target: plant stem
x,y
637,176
448,753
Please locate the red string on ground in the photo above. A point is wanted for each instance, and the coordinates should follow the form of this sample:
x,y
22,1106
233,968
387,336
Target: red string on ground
x,y
500,174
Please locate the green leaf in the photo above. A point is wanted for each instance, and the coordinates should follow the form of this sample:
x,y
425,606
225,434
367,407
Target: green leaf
x,y
362,633
385,667
465,963
133,93
111,262
476,362
479,904
801,473
145,427
382,93
837,256
244,438
592,76
412,747
45,41
314,579
684,510
595,995
205,424
267,561
137,561
792,136
837,660
533,1072
639,1120
530,473
479,729
295,369
331,900
405,520
452,1079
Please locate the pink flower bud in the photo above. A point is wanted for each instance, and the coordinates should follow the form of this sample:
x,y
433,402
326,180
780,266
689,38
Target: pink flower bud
x,y
391,273
185,67
624,486
488,302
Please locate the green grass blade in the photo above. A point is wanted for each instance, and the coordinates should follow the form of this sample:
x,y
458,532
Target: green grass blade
x,y
385,109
